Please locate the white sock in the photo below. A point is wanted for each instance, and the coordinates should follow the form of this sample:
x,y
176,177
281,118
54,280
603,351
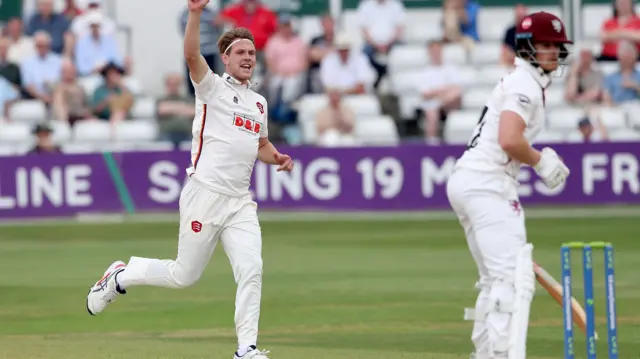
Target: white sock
x,y
243,349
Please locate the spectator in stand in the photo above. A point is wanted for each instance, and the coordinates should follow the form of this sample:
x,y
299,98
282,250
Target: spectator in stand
x,y
210,30
96,49
287,61
624,25
509,40
175,112
8,70
460,19
321,46
382,22
441,87
70,102
22,46
335,123
623,87
346,70
42,71
112,100
81,25
256,17
71,10
8,96
590,133
584,83
45,19
44,140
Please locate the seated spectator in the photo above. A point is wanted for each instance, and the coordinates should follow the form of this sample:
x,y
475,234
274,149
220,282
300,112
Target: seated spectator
x,y
441,88
41,72
70,103
346,70
8,70
175,112
56,25
22,46
8,96
210,30
71,10
382,22
253,15
44,140
81,25
508,54
584,83
623,26
321,46
623,87
335,123
460,22
591,134
286,59
96,49
112,100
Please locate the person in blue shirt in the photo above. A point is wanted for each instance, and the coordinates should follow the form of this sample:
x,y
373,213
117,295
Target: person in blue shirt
x,y
56,25
624,85
460,18
96,49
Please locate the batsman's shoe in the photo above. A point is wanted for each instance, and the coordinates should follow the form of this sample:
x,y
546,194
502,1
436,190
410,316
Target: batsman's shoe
x,y
105,290
253,353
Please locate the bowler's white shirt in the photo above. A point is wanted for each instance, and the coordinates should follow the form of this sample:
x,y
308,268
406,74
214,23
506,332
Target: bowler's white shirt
x,y
338,75
230,119
521,91
381,19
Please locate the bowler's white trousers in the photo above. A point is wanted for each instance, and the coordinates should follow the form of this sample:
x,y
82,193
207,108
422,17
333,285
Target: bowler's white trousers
x,y
489,211
205,218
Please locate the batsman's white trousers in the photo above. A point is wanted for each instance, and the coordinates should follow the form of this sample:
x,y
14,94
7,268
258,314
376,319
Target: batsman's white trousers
x,y
489,211
205,218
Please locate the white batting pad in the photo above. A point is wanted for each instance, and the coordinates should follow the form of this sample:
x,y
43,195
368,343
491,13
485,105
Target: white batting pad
x,y
525,288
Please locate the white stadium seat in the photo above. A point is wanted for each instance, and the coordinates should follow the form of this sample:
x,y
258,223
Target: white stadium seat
x,y
61,131
574,136
134,85
407,57
154,146
564,119
624,136
459,126
549,137
116,146
454,54
377,130
309,105
476,98
554,96
405,82
363,105
486,53
493,22
8,150
28,111
608,68
468,75
408,105
92,131
135,131
613,118
79,147
417,33
593,16
143,107
490,75
15,132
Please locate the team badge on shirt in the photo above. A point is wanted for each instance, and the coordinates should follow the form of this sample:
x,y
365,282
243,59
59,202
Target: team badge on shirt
x,y
260,107
246,123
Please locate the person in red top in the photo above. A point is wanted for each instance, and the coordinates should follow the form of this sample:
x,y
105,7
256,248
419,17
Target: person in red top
x,y
254,16
624,25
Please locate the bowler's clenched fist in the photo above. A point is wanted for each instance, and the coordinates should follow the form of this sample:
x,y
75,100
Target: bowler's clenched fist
x,y
196,5
285,162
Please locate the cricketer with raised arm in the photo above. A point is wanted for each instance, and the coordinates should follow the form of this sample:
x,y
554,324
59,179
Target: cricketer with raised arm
x,y
482,189
229,134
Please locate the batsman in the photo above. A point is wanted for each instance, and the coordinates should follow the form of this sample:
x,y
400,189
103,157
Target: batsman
x,y
483,188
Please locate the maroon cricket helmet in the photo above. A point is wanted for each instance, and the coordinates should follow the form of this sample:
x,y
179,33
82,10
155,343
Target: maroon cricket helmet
x,y
542,27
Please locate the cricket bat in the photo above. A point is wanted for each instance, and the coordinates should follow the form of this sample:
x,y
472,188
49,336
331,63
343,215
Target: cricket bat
x,y
555,289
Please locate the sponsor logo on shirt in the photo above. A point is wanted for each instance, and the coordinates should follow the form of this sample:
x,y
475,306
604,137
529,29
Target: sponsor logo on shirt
x,y
246,123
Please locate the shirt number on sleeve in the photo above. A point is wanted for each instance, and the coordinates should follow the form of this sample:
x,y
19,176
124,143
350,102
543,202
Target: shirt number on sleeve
x,y
478,130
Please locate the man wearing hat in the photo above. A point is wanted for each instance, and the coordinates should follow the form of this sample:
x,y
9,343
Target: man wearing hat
x,y
112,100
81,25
44,142
346,70
96,48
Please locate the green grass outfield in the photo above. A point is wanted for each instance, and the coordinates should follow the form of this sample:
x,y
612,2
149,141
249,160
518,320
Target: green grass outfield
x,y
348,288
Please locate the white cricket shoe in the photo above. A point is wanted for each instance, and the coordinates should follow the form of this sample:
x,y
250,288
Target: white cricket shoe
x,y
253,353
105,290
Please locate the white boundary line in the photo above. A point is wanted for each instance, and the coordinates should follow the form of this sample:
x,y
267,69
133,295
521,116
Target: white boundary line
x,y
531,213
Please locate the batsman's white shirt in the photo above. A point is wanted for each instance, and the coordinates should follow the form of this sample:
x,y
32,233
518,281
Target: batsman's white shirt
x,y
521,91
230,119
